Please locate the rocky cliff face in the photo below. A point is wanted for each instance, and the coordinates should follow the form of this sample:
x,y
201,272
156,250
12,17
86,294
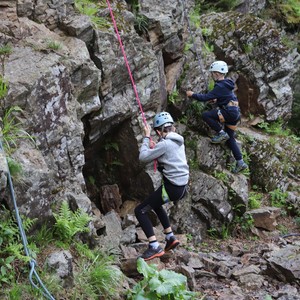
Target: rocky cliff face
x,y
70,79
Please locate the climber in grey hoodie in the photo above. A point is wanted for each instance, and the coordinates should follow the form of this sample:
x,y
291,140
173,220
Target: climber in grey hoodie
x,y
170,155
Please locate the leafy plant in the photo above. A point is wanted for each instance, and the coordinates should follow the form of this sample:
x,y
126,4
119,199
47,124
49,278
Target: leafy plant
x,y
141,23
195,110
189,237
99,276
278,198
221,176
3,88
69,223
6,274
12,255
105,277
90,9
195,16
224,233
291,11
277,128
254,200
12,130
213,232
208,48
15,168
164,284
174,97
44,236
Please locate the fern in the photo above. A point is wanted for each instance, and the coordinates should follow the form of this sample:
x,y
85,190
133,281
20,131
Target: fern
x,y
69,223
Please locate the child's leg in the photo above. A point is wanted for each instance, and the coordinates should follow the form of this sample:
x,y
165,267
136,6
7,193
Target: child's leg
x,y
153,202
211,118
232,144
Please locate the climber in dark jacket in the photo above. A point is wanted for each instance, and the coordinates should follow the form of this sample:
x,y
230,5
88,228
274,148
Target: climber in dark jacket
x,y
225,117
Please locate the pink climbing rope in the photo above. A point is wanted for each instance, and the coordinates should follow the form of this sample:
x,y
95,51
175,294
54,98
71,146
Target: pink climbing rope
x,y
126,62
128,68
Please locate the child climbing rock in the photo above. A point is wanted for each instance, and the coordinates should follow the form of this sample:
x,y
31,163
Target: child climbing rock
x,y
227,112
169,151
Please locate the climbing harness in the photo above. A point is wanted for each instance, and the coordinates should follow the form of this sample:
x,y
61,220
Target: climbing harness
x,y
193,41
128,68
221,117
32,262
165,196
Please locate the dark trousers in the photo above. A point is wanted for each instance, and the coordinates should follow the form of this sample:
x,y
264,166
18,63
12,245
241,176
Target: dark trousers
x,y
231,116
155,202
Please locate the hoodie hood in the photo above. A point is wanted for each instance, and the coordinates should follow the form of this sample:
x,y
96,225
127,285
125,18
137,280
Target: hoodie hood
x,y
175,137
227,82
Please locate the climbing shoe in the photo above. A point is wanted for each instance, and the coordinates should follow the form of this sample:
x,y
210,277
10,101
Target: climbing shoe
x,y
220,138
240,167
171,243
151,253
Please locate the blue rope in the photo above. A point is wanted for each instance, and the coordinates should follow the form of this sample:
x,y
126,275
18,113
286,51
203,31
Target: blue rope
x,y
193,41
32,262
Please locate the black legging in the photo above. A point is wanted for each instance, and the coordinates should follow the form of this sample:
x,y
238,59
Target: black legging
x,y
155,202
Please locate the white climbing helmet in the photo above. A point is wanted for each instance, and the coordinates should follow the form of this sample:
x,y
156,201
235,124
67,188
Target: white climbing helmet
x,y
163,118
219,66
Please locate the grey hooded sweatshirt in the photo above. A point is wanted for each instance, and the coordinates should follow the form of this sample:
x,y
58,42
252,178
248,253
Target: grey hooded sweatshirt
x,y
169,152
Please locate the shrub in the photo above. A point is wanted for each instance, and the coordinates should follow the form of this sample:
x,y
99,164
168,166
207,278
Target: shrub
x,y
164,284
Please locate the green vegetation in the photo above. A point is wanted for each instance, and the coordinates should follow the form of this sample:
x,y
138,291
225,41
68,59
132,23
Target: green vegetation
x,y
53,45
69,223
211,84
5,52
96,275
282,228
174,97
244,223
12,131
90,8
194,111
290,9
278,128
12,134
3,89
208,47
195,16
162,284
11,248
278,198
141,23
255,200
221,176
